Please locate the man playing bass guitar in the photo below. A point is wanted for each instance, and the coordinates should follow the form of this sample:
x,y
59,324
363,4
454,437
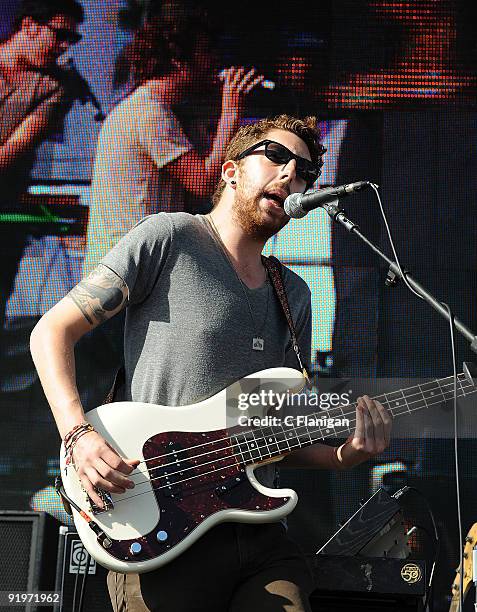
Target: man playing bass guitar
x,y
201,313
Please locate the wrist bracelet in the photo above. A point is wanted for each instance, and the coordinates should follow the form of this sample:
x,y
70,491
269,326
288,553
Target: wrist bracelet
x,y
72,438
339,454
71,433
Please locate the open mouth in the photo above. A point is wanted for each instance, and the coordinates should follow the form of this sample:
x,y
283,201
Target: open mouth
x,y
275,197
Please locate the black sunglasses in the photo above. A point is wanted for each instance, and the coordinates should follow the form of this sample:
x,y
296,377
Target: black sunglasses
x,y
279,154
65,35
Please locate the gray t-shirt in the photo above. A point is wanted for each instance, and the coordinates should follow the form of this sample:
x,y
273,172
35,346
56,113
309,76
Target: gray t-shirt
x,y
188,330
139,138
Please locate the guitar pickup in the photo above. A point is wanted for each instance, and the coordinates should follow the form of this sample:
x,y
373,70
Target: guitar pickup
x,y
227,486
105,498
171,491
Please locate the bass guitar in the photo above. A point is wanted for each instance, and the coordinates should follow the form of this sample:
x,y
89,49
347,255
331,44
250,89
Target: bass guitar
x,y
197,466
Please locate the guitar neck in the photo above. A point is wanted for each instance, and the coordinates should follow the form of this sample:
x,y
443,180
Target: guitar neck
x,y
278,440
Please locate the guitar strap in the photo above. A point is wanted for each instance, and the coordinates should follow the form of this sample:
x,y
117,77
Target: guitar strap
x,y
274,269
119,380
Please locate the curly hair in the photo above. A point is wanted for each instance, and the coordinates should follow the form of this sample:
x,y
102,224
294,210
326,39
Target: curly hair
x,y
168,34
306,129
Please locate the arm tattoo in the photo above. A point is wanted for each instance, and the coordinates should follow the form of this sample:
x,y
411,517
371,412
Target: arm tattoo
x,y
99,295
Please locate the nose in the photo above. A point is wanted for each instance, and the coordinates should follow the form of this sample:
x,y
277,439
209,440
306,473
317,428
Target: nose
x,y
288,171
288,175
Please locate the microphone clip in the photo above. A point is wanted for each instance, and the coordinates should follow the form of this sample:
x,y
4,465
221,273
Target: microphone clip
x,y
338,214
332,208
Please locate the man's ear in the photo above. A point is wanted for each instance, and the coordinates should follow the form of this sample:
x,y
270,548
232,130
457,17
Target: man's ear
x,y
229,172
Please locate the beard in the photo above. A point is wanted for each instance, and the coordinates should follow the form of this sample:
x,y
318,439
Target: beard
x,y
254,221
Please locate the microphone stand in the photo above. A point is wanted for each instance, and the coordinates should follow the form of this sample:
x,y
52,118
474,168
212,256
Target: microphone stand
x,y
80,88
394,275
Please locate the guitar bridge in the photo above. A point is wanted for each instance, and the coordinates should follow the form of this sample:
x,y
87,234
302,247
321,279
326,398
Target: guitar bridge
x,y
105,498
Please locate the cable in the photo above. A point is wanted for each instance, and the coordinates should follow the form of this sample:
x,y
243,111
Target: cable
x,y
454,365
391,242
88,561
437,546
78,569
456,455
83,584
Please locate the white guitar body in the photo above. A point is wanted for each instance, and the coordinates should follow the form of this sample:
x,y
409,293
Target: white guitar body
x,y
163,521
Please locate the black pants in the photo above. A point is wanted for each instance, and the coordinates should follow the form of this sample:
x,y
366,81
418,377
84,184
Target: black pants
x,y
234,567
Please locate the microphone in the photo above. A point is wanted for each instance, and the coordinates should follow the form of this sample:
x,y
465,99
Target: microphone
x,y
266,83
80,88
297,205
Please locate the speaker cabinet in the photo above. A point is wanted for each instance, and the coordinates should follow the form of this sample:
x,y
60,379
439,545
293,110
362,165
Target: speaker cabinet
x,y
81,581
28,548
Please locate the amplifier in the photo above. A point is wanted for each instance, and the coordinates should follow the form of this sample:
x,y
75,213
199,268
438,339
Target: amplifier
x,y
28,545
81,581
370,575
367,528
365,565
368,583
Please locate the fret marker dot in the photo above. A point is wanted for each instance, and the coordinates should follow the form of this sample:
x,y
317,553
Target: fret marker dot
x,y
397,403
270,440
252,445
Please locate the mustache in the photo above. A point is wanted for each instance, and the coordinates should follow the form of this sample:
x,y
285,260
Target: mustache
x,y
282,189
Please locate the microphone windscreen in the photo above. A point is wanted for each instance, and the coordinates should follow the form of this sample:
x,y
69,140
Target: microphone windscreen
x,y
292,206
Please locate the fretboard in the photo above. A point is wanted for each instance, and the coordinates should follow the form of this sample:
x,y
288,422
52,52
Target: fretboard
x,y
262,443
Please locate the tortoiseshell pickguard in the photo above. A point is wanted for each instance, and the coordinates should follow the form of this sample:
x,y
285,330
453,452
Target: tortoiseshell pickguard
x,y
194,475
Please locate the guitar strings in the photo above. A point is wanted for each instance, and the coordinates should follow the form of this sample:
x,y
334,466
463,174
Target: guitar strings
x,y
201,475
305,435
392,409
240,466
318,430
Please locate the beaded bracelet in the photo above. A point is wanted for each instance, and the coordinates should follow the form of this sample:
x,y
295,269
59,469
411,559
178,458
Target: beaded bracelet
x,y
72,438
69,435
